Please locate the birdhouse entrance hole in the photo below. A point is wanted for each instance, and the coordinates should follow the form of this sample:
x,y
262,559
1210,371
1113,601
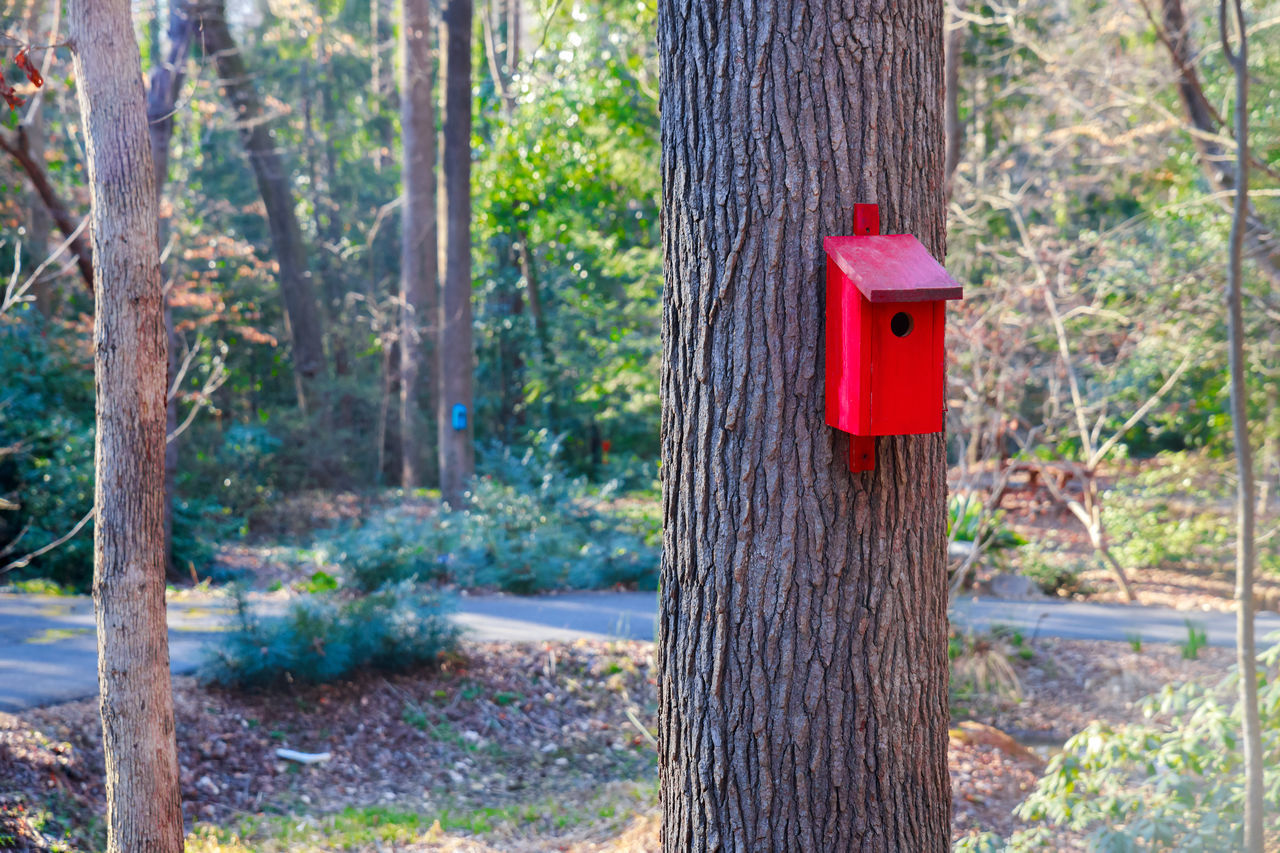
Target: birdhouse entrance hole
x,y
901,324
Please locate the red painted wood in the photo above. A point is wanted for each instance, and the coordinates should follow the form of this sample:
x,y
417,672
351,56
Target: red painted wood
x,y
879,382
862,453
866,219
905,395
848,363
892,268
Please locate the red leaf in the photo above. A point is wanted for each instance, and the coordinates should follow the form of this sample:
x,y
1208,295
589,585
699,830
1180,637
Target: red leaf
x,y
12,98
33,74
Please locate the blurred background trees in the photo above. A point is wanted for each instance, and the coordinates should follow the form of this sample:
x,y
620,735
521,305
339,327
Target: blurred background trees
x,y
1084,174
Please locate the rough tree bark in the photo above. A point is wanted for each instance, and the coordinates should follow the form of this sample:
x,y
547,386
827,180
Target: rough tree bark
x,y
419,287
144,810
802,638
306,330
455,358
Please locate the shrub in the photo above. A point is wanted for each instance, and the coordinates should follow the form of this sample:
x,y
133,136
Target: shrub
x,y
1054,573
390,547
528,527
965,517
326,637
197,528
1172,786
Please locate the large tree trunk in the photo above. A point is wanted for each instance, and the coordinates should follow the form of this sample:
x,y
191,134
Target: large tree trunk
x,y
419,287
144,810
306,330
455,359
802,639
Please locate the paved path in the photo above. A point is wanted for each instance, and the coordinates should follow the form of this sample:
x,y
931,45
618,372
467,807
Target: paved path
x,y
48,652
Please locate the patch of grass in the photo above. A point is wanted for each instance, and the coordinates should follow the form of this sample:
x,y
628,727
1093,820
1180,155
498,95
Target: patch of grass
x,y
39,586
1135,641
372,826
56,635
1197,639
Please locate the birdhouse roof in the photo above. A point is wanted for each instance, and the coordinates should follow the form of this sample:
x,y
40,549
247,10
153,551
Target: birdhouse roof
x,y
892,268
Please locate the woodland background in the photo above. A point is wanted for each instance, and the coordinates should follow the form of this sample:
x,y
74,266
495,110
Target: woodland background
x,y
1090,177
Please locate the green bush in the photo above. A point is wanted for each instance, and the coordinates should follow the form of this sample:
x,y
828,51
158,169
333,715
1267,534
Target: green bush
x,y
1176,785
1055,573
326,637
527,527
966,519
198,527
390,547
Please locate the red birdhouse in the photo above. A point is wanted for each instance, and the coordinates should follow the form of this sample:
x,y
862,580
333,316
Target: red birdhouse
x,y
886,315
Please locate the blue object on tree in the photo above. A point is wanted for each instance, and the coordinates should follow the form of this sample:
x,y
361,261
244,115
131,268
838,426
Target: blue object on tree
x,y
459,417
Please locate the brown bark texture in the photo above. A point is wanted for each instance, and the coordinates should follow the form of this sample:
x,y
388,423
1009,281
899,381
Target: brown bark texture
x,y
419,287
802,635
162,94
306,329
144,811
455,356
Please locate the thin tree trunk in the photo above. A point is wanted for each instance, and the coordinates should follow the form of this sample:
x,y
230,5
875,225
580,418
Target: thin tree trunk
x,y
39,222
162,95
455,359
954,128
306,329
803,632
419,285
144,809
1246,648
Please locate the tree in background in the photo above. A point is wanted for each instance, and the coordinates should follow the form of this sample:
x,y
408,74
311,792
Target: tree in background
x,y
144,811
455,357
305,323
803,696
1246,547
419,288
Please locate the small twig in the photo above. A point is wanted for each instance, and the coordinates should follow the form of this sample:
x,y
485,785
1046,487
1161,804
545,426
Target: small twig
x,y
22,562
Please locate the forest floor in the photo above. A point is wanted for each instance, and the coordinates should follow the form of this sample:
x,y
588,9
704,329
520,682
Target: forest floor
x,y
521,748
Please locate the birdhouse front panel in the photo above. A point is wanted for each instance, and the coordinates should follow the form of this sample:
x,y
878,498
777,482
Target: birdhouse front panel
x,y
906,368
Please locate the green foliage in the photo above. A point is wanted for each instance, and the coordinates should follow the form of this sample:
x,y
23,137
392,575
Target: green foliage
x,y
982,842
968,520
1135,640
46,450
1196,640
529,526
198,528
1055,573
326,637
1178,514
1176,785
390,547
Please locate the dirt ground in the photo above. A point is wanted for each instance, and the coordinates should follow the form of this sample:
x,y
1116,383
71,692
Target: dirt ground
x,y
558,732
